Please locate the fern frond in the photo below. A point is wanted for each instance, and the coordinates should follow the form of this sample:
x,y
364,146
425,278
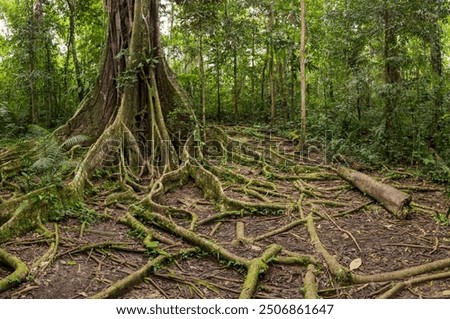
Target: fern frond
x,y
37,131
74,140
43,164
6,115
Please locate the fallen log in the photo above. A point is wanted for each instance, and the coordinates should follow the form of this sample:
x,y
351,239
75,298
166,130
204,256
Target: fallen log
x,y
394,200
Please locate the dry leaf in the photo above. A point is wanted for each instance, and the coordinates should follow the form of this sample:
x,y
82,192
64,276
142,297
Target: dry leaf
x,y
355,264
255,248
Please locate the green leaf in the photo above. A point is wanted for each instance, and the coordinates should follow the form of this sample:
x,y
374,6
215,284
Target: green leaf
x,y
152,244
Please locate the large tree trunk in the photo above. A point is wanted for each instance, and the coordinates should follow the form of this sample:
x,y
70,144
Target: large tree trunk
x,y
125,115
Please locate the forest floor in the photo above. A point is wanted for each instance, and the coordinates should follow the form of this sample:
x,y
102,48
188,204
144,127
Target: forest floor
x,y
356,230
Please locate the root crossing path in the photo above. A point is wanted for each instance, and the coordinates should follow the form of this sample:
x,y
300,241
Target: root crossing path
x,y
244,216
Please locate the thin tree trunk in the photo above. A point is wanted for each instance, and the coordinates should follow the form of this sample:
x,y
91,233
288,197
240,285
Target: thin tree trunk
x,y
391,77
263,78
303,74
283,89
73,47
219,115
253,63
271,64
436,126
31,6
235,85
202,80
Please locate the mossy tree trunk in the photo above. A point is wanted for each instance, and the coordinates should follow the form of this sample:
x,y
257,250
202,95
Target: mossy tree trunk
x,y
125,114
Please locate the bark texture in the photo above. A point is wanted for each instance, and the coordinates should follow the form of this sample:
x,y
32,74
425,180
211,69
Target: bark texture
x,y
394,200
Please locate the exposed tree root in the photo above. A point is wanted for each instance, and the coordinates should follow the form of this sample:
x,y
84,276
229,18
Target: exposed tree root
x,y
310,283
129,220
223,215
126,283
319,176
240,233
227,173
256,267
403,273
150,216
279,230
413,281
20,270
339,271
195,239
104,245
345,275
42,263
22,214
212,188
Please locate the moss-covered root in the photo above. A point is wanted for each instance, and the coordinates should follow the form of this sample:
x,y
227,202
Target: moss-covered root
x,y
310,283
294,258
402,285
341,273
20,270
19,215
212,188
45,260
240,234
403,273
136,225
138,276
195,239
256,267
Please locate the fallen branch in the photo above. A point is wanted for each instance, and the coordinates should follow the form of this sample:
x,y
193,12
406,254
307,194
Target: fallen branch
x,y
394,200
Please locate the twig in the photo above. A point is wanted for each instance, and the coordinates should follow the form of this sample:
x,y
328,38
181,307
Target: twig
x,y
340,228
214,229
119,287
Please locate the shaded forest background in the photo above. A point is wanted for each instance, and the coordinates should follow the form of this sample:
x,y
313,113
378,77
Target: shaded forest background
x,y
377,71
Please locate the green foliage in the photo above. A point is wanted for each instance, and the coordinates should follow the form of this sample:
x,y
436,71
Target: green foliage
x,y
442,219
177,116
9,123
35,62
349,54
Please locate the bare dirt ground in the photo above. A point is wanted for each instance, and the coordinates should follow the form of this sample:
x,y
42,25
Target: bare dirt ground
x,y
93,255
